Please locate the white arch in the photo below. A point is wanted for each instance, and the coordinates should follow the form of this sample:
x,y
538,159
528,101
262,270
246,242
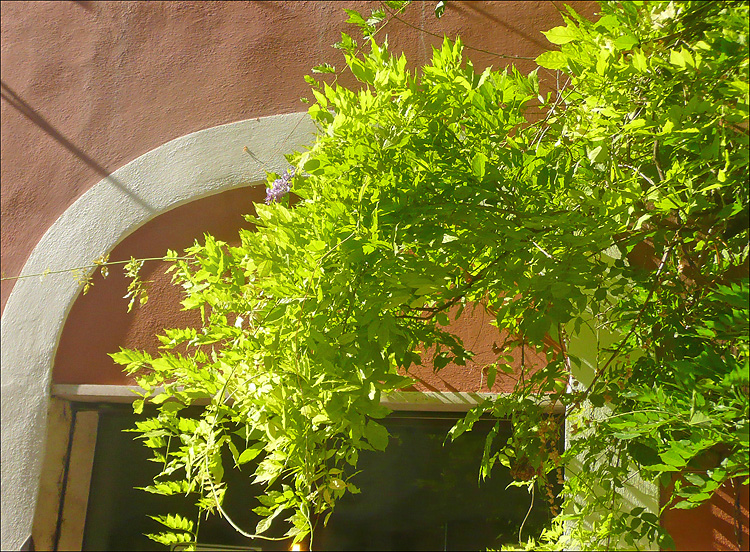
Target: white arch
x,y
185,169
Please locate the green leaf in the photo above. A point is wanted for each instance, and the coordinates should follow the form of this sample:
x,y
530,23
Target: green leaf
x,y
355,18
681,59
695,479
361,71
170,538
440,9
665,541
685,505
672,458
597,400
625,435
250,453
562,35
552,60
324,68
376,435
507,368
491,374
138,406
397,5
478,165
348,44
174,521
337,484
312,166
699,418
265,523
167,488
597,154
640,62
625,42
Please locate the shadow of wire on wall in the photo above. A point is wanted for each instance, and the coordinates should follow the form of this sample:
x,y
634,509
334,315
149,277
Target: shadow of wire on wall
x,y
14,100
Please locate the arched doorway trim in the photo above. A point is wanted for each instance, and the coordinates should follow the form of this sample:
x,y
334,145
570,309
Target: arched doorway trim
x,y
185,169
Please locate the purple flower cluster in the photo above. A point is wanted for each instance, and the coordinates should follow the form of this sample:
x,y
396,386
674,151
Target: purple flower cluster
x,y
280,187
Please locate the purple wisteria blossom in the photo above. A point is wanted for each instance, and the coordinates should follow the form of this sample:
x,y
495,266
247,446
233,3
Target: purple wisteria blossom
x,y
280,187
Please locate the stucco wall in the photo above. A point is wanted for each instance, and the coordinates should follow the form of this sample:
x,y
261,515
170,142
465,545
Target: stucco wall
x,y
722,523
89,86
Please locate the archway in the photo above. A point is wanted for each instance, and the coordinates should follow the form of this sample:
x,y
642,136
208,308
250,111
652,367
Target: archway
x,y
185,169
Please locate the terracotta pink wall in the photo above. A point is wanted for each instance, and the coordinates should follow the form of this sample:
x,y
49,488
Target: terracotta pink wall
x,y
713,525
99,324
89,86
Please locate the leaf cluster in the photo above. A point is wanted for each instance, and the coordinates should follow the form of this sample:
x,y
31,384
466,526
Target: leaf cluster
x,y
614,206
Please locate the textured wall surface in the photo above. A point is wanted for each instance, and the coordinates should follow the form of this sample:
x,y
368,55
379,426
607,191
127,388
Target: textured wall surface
x,y
723,523
187,168
88,87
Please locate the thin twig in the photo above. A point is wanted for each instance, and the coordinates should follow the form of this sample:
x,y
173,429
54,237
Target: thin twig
x,y
95,265
612,505
527,514
656,160
509,56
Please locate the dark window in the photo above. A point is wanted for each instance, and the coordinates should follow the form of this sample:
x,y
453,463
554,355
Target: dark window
x,y
420,494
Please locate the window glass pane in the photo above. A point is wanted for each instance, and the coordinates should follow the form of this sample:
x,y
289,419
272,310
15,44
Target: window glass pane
x,y
420,494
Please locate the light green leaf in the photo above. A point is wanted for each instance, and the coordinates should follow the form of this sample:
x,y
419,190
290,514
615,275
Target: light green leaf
x,y
377,435
478,165
597,154
324,68
640,62
625,42
250,454
562,35
552,60
265,523
337,484
699,418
